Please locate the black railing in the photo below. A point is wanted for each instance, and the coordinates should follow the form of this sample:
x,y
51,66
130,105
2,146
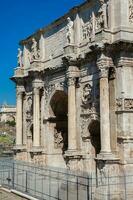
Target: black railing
x,y
52,183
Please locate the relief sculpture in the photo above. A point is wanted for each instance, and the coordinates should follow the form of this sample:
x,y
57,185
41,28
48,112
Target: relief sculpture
x,y
87,94
128,104
58,140
97,22
131,11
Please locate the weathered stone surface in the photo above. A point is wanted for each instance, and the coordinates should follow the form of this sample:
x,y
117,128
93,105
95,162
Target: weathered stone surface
x,y
74,90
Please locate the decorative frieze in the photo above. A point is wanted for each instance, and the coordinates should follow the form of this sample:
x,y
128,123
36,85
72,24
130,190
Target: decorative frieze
x,y
87,30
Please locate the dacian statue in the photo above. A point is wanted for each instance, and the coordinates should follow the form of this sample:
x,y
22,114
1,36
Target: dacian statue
x,y
19,56
70,31
34,50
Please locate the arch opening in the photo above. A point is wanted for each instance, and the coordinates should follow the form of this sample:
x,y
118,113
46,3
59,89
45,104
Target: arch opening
x,y
58,112
94,129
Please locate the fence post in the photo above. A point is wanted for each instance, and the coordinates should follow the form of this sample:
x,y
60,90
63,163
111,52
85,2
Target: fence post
x,y
77,188
58,186
67,187
125,187
88,187
108,187
13,175
26,182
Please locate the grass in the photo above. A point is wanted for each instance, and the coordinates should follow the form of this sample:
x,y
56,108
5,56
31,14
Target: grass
x,y
6,140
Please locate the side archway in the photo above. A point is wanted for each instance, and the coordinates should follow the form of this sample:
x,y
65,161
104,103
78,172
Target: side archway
x,y
58,115
94,130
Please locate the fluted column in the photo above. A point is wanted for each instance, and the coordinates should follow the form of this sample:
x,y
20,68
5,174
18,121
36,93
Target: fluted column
x,y
104,111
72,140
19,117
36,117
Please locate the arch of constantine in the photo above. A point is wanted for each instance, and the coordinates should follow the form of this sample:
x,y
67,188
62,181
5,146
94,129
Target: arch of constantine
x,y
74,90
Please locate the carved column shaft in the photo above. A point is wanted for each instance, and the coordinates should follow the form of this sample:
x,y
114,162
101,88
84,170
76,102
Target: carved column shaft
x,y
72,140
36,118
104,111
19,119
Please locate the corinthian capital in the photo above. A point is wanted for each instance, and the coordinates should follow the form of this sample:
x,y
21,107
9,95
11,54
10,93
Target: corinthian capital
x,y
71,81
36,90
103,64
103,72
20,90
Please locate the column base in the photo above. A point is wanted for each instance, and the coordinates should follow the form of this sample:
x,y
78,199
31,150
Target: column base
x,y
36,150
19,148
106,156
73,152
74,159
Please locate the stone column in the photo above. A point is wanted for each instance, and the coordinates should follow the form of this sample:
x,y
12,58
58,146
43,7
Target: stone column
x,y
36,117
72,140
104,111
19,117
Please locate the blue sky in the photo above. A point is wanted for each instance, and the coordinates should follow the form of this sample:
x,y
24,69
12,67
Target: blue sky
x,y
19,19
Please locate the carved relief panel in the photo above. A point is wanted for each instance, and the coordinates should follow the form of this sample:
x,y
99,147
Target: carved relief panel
x,y
98,20
130,11
124,104
89,107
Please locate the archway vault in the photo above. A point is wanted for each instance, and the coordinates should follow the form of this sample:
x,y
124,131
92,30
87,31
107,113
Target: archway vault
x,y
58,111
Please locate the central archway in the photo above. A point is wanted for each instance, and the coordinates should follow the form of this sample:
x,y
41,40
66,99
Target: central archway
x,y
58,113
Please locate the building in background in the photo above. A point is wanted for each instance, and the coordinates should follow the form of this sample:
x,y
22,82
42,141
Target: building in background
x,y
7,113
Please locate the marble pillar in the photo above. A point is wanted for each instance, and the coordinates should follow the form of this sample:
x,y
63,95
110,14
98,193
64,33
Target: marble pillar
x,y
72,140
36,117
19,117
104,111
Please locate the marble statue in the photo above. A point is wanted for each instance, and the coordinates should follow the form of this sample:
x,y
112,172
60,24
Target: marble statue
x,y
70,31
19,56
34,50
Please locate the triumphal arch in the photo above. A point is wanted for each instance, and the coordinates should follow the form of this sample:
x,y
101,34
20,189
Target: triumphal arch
x,y
74,90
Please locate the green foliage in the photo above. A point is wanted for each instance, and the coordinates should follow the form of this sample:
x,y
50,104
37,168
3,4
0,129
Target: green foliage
x,y
11,123
6,140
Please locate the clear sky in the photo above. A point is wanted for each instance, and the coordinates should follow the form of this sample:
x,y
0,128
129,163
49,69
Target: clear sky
x,y
19,19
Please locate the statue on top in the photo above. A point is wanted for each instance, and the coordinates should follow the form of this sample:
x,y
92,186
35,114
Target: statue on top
x,y
19,56
34,50
70,31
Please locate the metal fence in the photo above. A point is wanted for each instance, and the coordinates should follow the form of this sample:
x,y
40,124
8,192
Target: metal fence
x,y
49,183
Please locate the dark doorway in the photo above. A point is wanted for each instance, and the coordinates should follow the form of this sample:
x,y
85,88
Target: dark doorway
x,y
94,129
59,111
